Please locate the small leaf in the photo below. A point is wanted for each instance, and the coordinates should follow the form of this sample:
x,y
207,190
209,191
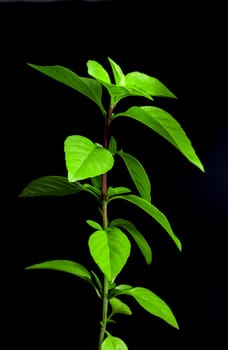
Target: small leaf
x,y
93,190
149,84
97,181
97,284
112,145
120,289
114,191
97,71
117,72
94,224
110,250
64,266
166,126
85,159
118,307
51,186
153,304
86,86
137,236
153,212
138,174
113,343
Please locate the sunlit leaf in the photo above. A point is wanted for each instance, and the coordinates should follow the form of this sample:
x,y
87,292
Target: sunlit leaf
x,y
136,235
118,307
86,86
153,304
97,71
64,266
110,250
85,159
117,73
113,343
149,84
51,186
138,174
154,212
166,126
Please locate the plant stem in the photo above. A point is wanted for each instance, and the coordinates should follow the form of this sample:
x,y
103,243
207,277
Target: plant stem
x,y
105,226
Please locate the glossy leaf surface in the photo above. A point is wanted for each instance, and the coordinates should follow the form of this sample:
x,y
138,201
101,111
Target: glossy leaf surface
x,y
85,159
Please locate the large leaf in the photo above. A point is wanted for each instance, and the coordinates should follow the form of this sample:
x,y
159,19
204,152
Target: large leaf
x,y
136,235
153,212
149,84
64,266
138,174
113,343
153,304
165,125
85,159
86,86
118,307
51,186
110,250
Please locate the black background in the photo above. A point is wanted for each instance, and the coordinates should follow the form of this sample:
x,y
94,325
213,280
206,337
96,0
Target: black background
x,y
184,47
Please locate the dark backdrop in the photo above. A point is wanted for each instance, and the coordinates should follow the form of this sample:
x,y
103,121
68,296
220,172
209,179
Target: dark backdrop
x,y
182,46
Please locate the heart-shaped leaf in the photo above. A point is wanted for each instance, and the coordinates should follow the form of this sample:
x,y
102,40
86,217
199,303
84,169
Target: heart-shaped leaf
x,y
113,343
85,159
110,250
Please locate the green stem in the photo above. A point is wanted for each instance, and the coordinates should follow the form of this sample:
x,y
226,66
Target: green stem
x,y
105,226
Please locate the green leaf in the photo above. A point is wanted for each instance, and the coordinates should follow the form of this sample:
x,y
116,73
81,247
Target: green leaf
x,y
110,250
150,85
118,307
97,181
64,266
86,86
94,224
153,212
117,73
97,284
92,190
113,343
153,304
138,174
112,145
85,159
120,289
97,71
114,191
51,186
166,126
136,235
